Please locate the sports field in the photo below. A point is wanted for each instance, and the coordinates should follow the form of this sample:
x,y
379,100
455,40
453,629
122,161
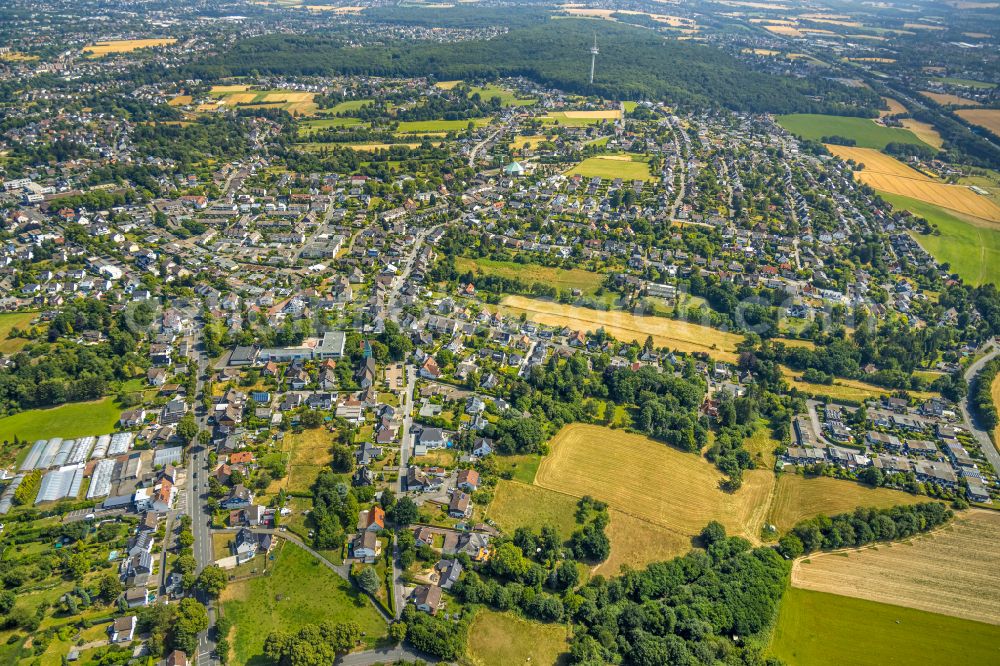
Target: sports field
x,y
970,247
819,629
866,132
98,49
652,482
953,571
988,118
299,590
797,498
888,174
10,321
503,639
609,167
561,278
947,98
75,419
625,326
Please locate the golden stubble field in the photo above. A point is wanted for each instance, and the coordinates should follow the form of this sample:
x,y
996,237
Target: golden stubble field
x,y
797,498
947,98
99,49
625,326
888,174
652,482
988,118
953,571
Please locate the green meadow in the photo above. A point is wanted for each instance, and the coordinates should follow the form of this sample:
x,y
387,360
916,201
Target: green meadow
x,y
863,130
971,251
75,419
819,629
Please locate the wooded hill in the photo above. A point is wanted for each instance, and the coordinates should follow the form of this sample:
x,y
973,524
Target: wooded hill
x,y
634,63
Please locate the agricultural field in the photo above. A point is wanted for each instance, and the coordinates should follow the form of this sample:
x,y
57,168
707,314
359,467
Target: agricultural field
x,y
967,83
678,491
966,553
502,639
625,326
10,321
346,106
75,419
986,118
888,174
531,141
518,504
310,127
797,497
969,247
946,99
819,629
561,278
609,167
295,102
299,590
580,118
841,389
181,100
895,107
924,131
98,49
507,97
634,541
866,132
419,126
637,543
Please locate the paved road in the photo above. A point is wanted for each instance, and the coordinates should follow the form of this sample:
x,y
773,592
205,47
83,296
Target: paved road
x,y
197,489
406,404
384,656
982,437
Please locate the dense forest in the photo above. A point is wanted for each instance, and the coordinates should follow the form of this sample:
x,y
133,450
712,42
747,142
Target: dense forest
x,y
634,64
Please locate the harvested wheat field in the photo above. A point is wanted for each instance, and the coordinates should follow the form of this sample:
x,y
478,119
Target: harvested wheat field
x,y
890,175
954,571
797,498
924,131
637,543
672,333
604,114
181,100
988,118
945,99
99,49
677,491
895,107
783,30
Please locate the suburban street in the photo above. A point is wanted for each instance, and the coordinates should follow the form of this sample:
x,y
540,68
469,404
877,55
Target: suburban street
x,y
406,405
982,437
198,471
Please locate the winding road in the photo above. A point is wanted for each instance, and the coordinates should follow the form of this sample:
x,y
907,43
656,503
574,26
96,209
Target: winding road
x,y
982,436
